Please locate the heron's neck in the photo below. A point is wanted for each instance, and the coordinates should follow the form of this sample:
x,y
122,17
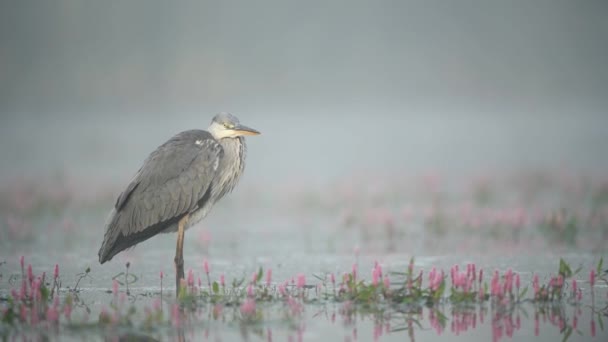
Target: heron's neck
x,y
232,164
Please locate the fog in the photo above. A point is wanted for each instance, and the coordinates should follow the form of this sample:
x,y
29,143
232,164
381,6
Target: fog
x,y
89,88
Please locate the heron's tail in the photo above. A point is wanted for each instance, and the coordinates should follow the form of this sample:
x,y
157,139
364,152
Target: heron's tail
x,y
107,250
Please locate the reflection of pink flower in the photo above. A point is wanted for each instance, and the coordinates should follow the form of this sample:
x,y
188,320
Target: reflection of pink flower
x,y
301,281
592,278
248,307
115,287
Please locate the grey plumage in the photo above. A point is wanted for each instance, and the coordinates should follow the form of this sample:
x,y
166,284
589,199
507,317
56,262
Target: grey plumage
x,y
184,176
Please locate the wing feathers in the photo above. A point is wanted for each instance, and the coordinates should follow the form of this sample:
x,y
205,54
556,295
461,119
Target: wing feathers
x,y
169,185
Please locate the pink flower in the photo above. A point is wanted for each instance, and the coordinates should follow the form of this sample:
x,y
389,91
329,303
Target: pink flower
x,y
22,261
517,281
282,290
301,281
56,273
592,278
269,277
574,286
254,277
206,266
222,280
387,282
535,285
333,279
190,278
375,276
30,274
250,290
161,275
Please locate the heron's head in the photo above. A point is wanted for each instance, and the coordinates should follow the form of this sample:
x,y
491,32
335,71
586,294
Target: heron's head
x,y
226,125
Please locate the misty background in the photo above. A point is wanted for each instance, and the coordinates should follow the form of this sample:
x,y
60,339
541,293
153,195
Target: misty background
x,y
88,89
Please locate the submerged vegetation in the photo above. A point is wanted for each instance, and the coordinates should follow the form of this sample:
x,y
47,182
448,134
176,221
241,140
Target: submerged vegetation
x,y
395,300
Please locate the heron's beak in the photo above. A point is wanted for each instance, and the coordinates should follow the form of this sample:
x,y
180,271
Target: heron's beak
x,y
244,130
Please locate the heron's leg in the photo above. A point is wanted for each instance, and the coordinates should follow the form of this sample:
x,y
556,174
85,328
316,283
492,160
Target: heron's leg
x,y
179,253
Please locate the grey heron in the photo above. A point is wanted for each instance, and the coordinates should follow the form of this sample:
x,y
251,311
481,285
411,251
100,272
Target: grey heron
x,y
176,187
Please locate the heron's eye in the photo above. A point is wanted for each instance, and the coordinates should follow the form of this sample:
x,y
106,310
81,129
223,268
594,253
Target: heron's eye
x,y
228,125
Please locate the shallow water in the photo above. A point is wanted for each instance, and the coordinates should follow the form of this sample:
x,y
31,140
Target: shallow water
x,y
311,238
318,224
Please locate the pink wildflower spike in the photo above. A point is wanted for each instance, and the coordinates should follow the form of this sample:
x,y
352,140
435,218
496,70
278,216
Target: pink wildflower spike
x,y
333,278
574,286
206,266
161,275
199,282
535,284
355,272
301,281
22,262
269,277
115,287
387,282
517,281
190,279
250,290
375,277
282,290
56,272
579,295
30,274
480,275
592,278
222,280
560,280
